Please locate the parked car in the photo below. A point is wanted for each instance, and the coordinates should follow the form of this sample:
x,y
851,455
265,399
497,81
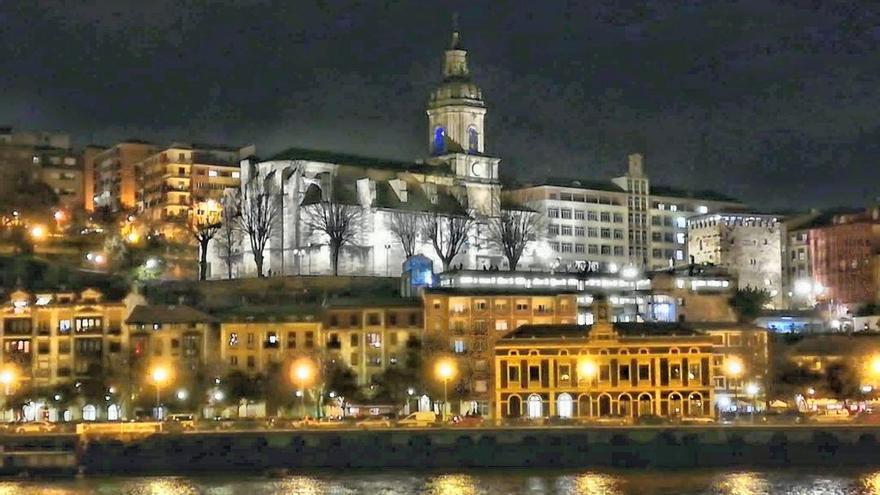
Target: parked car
x,y
697,420
611,420
832,416
419,419
33,427
374,422
186,422
782,418
467,421
652,420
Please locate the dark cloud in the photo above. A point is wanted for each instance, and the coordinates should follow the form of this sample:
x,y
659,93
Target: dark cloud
x,y
774,102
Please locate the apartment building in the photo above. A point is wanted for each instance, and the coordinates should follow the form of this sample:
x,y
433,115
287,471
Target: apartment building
x,y
115,181
626,221
370,337
186,179
469,322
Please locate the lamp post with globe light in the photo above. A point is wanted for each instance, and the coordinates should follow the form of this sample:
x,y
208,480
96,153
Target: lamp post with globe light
x,y
445,370
301,372
159,375
733,369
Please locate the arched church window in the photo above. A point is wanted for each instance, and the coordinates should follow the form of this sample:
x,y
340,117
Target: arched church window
x,y
473,139
439,141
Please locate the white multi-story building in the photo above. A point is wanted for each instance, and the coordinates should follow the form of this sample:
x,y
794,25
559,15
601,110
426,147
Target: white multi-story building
x,y
627,221
747,245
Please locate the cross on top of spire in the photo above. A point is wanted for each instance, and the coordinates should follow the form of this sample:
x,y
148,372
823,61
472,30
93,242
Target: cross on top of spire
x,y
456,37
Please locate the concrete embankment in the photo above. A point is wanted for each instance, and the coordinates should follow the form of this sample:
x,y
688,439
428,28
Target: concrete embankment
x,y
660,447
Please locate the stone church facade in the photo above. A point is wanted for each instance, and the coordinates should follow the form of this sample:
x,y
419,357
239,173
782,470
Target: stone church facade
x,y
457,177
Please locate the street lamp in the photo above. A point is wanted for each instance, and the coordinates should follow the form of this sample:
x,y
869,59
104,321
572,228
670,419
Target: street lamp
x,y
445,370
752,391
387,268
159,375
298,253
302,371
38,232
733,368
7,378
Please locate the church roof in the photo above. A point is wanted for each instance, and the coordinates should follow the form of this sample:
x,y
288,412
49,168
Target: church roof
x,y
357,161
417,200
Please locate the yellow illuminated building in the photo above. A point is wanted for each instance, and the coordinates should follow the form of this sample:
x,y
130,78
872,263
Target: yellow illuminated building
x,y
257,345
371,337
469,323
185,180
602,370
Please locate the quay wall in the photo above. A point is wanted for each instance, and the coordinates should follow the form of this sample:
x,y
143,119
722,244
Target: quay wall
x,y
643,447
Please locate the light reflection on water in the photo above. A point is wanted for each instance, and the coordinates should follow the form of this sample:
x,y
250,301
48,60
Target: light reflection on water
x,y
474,482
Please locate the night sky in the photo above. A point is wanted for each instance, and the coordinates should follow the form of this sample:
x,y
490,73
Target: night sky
x,y
777,103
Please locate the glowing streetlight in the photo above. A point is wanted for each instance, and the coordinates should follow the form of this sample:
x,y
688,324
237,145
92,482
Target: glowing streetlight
x,y
301,372
38,232
159,375
733,368
445,370
7,378
874,366
586,369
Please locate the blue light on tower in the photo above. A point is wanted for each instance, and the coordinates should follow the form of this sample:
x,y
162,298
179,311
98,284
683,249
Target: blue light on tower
x,y
439,141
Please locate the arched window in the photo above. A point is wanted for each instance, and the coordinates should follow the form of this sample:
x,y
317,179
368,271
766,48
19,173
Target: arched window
x,y
695,404
514,406
536,407
624,405
90,413
564,406
604,405
585,406
646,405
473,139
113,412
439,141
675,404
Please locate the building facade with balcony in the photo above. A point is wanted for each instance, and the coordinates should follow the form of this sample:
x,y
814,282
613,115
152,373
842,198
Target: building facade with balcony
x,y
186,179
371,337
602,370
115,181
53,338
261,345
181,339
467,324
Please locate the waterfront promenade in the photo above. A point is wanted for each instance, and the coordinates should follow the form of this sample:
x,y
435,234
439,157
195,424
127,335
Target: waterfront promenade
x,y
545,447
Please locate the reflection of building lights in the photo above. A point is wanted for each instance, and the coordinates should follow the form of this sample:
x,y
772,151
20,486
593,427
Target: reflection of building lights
x,y
741,484
453,484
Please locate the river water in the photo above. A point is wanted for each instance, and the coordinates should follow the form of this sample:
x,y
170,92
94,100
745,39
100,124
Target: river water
x,y
507,482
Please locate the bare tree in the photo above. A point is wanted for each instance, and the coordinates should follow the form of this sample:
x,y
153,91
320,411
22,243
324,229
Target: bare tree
x,y
228,241
203,228
512,231
341,223
257,217
405,228
448,234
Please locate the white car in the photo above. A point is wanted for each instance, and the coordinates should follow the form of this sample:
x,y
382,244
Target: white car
x,y
33,427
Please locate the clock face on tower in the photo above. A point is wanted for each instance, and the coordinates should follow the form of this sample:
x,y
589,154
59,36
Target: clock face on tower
x,y
475,169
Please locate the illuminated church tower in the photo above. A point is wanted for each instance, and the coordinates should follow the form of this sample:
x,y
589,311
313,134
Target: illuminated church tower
x,y
456,132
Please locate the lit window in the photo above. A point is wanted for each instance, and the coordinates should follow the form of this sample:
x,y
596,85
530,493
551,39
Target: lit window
x,y
212,173
679,237
233,339
673,208
501,325
236,175
679,254
702,209
458,346
680,222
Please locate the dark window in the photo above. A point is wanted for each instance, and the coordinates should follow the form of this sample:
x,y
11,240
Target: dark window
x,y
251,362
644,372
624,372
310,340
354,340
373,319
392,319
534,373
291,340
